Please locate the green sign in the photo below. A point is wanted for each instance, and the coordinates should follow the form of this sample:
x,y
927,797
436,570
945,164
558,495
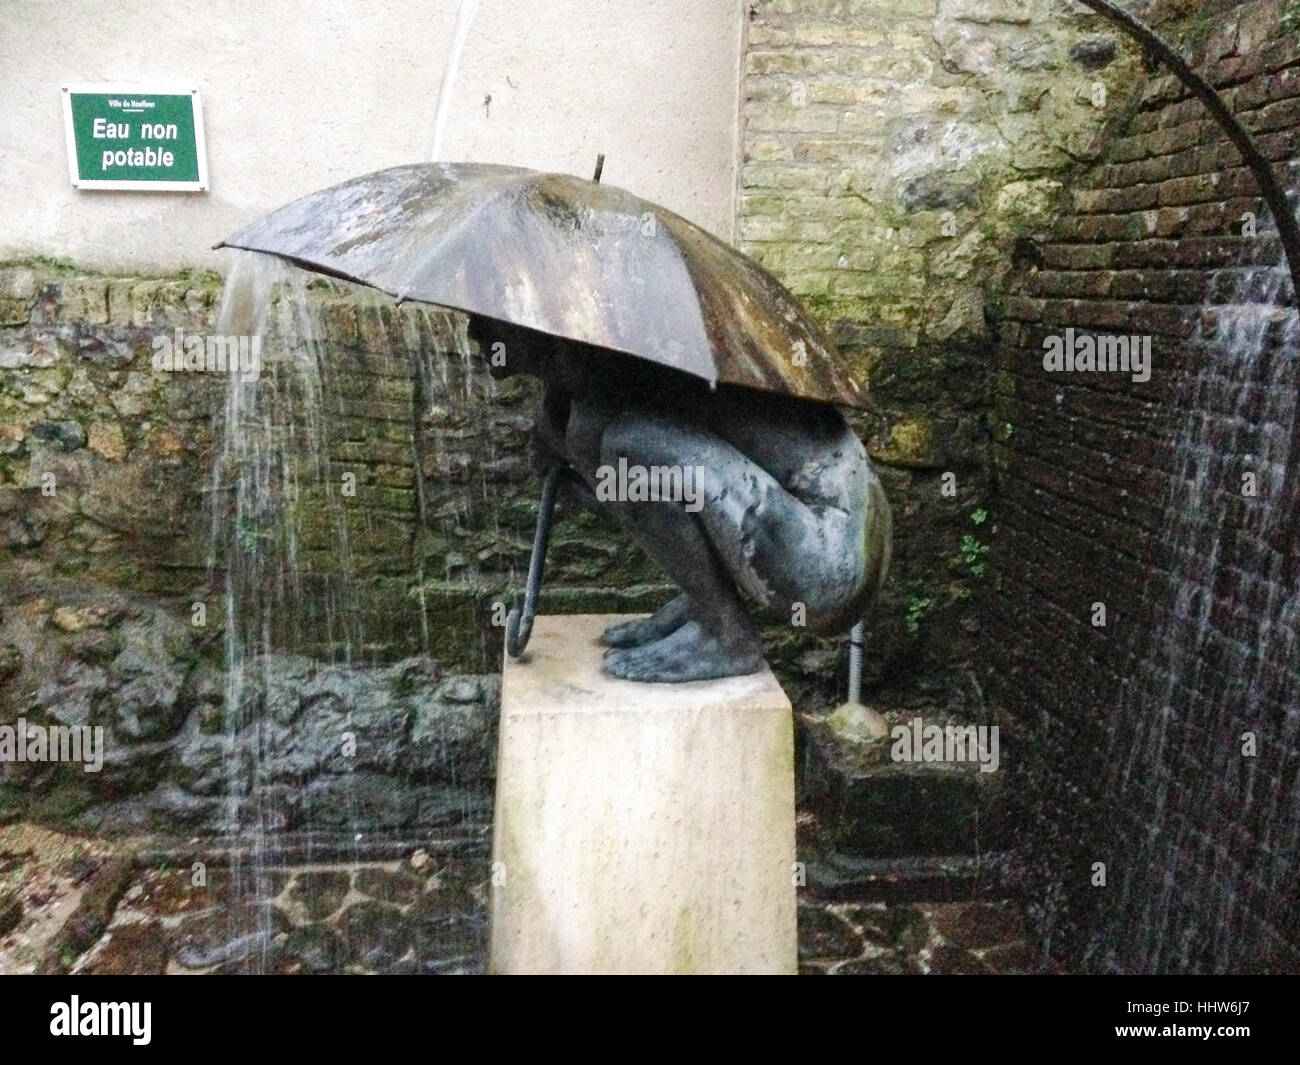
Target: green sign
x,y
123,137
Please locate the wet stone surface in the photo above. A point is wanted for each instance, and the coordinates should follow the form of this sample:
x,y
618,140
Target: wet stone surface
x,y
321,894
942,938
428,915
133,950
422,914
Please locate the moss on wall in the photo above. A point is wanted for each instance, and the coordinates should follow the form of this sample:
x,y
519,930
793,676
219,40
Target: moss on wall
x,y
898,158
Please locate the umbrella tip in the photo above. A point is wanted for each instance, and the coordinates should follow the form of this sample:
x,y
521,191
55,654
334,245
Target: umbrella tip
x,y
600,165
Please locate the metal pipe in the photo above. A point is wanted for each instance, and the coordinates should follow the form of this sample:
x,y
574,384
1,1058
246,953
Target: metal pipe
x,y
1288,229
1287,530
857,639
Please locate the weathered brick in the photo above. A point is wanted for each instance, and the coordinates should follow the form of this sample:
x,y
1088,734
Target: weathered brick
x,y
1085,471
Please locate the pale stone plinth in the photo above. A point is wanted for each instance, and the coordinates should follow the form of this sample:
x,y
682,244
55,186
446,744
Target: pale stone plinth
x,y
640,828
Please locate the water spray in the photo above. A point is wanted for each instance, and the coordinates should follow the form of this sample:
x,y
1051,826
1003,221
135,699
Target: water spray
x,y
464,17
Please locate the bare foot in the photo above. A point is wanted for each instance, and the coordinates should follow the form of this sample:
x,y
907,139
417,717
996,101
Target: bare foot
x,y
689,653
666,620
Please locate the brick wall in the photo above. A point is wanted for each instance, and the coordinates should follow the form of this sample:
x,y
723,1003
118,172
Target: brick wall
x,y
131,450
894,152
1129,738
108,484
438,530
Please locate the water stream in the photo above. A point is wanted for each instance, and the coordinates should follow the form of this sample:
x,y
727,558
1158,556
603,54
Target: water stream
x,y
1210,713
304,449
464,17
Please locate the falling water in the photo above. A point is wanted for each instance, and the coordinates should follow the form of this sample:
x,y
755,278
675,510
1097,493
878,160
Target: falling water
x,y
272,460
281,547
464,16
1200,889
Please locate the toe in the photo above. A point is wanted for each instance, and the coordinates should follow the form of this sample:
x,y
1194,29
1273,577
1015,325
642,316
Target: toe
x,y
624,633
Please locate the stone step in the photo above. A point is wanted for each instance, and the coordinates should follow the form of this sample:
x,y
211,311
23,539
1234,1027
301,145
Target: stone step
x,y
866,803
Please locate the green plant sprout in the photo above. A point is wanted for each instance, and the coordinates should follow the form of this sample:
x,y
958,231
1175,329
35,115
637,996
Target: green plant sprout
x,y
916,608
973,550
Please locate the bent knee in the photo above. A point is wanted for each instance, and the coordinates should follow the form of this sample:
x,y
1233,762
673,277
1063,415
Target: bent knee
x,y
845,579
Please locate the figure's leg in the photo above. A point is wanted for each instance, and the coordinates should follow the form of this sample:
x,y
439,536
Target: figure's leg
x,y
596,437
719,639
748,533
711,633
773,546
584,425
667,619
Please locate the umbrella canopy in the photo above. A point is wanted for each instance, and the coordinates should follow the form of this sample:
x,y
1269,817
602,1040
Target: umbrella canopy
x,y
565,256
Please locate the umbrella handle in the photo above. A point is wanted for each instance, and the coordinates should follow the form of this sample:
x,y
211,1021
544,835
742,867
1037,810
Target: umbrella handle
x,y
519,624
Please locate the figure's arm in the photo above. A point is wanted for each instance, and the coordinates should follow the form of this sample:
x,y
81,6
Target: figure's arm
x,y
546,438
553,417
583,436
550,445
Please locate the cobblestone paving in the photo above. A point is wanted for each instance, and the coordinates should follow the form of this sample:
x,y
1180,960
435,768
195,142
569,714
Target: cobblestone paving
x,y
429,915
424,915
949,938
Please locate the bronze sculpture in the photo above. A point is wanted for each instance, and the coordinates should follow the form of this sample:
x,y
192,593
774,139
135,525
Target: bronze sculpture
x,y
664,352
788,519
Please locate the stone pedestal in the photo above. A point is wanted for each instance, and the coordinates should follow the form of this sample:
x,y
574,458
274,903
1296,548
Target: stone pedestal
x,y
640,828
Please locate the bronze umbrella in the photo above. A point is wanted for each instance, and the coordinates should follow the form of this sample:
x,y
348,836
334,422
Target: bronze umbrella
x,y
568,257
565,256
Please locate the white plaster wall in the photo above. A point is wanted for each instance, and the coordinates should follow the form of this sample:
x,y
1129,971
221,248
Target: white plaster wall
x,y
300,94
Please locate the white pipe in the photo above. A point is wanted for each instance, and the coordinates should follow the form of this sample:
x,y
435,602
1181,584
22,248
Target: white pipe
x,y
463,19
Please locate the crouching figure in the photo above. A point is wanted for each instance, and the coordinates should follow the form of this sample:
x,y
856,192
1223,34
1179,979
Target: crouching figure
x,y
752,503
